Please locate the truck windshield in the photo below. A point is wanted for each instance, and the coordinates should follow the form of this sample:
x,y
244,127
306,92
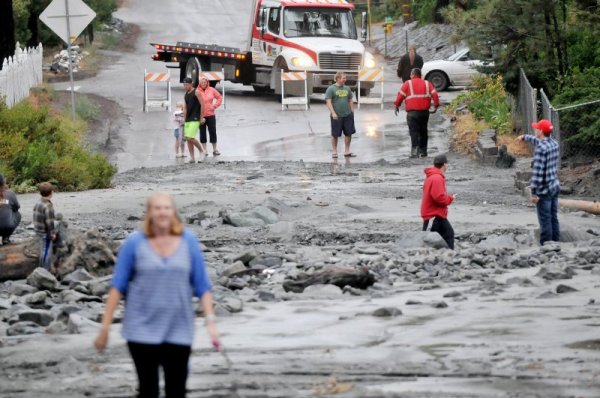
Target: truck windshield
x,y
319,22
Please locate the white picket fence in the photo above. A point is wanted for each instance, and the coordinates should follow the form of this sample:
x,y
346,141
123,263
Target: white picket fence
x,y
19,73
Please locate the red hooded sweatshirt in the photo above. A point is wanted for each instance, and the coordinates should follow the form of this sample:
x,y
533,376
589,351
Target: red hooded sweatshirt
x,y
435,198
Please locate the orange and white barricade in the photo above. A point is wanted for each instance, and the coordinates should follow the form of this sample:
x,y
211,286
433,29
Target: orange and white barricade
x,y
213,76
370,75
151,77
293,77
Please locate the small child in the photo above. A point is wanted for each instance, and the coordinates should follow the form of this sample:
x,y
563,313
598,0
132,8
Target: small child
x,y
178,124
43,222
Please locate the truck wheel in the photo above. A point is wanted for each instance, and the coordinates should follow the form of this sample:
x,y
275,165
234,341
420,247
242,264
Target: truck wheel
x,y
192,68
277,69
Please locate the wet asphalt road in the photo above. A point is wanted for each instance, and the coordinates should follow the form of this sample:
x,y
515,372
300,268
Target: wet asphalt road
x,y
253,127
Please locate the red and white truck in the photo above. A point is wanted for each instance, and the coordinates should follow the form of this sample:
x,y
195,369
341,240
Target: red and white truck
x,y
317,36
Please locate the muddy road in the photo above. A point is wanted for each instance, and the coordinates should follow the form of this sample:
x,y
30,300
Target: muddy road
x,y
498,317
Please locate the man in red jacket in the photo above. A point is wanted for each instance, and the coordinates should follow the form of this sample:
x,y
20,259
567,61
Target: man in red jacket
x,y
434,205
418,94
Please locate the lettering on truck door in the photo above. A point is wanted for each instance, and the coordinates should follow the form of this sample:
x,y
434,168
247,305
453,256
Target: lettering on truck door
x,y
265,49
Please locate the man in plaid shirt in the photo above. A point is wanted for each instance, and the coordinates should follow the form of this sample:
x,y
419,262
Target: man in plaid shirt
x,y
544,181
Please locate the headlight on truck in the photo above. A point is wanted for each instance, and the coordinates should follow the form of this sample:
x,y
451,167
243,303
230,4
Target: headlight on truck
x,y
302,62
369,61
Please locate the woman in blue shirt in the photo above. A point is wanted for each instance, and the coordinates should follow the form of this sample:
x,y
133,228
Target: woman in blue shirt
x,y
158,271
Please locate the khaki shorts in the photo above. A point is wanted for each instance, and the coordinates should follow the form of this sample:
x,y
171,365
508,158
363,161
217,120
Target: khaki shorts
x,y
191,129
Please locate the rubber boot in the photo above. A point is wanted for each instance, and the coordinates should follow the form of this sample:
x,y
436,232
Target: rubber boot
x,y
414,152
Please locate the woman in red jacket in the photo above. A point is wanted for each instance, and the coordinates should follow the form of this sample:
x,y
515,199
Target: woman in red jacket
x,y
210,100
435,202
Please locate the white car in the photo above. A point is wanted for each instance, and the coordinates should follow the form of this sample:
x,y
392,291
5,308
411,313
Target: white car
x,y
458,70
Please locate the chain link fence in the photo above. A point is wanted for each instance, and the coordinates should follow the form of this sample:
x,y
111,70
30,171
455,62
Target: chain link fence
x,y
576,127
524,106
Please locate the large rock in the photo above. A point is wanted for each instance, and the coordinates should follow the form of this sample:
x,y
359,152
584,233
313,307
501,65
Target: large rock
x,y
339,276
20,289
23,328
265,214
18,260
231,304
78,324
93,251
42,279
79,275
246,257
322,291
236,268
40,317
498,242
419,239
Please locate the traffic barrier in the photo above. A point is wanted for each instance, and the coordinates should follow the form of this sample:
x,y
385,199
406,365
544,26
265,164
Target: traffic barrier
x,y
212,76
370,75
152,77
293,77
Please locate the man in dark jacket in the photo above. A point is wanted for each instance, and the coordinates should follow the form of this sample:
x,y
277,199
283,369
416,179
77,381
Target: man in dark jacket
x,y
435,202
408,62
9,212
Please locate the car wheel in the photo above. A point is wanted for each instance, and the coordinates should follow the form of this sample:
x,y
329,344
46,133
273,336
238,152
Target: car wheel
x,y
439,80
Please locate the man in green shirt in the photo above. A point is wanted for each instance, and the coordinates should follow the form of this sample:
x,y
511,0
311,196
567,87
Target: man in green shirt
x,y
339,102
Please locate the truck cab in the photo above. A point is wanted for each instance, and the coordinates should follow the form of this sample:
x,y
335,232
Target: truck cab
x,y
317,36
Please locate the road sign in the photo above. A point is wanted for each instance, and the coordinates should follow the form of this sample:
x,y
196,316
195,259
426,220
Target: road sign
x,y
67,18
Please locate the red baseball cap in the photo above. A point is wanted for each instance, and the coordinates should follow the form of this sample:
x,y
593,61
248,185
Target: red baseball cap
x,y
544,125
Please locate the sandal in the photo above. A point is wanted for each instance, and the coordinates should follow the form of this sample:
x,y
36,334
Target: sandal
x,y
334,156
216,153
349,155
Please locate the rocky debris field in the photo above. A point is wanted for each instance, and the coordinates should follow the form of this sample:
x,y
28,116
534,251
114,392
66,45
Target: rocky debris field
x,y
302,253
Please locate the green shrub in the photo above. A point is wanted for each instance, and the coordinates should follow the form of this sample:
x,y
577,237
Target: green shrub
x,y
487,101
581,125
86,109
38,146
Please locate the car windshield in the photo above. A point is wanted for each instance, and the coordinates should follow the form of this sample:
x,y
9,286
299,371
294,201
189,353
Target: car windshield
x,y
319,22
459,54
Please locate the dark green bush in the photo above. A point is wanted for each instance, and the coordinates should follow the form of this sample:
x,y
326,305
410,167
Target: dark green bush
x,y
38,146
580,126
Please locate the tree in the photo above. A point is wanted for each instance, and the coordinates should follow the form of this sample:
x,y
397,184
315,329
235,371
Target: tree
x,y
7,30
531,34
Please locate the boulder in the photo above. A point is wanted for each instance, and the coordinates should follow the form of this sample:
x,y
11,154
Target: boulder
x,y
231,304
35,298
18,260
78,324
237,268
42,279
421,239
23,328
338,276
498,242
319,291
40,317
387,312
20,289
246,257
92,251
79,275
265,214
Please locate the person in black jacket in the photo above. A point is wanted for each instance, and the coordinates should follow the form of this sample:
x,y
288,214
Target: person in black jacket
x,y
10,218
408,62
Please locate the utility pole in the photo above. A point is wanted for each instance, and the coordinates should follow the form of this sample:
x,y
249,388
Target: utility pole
x,y
369,19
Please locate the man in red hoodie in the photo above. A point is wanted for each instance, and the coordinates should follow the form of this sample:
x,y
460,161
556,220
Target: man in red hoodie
x,y
434,205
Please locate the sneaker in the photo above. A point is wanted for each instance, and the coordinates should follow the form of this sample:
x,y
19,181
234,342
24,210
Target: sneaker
x,y
6,241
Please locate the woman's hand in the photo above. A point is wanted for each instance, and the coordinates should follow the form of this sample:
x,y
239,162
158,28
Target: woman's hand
x,y
214,335
101,340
